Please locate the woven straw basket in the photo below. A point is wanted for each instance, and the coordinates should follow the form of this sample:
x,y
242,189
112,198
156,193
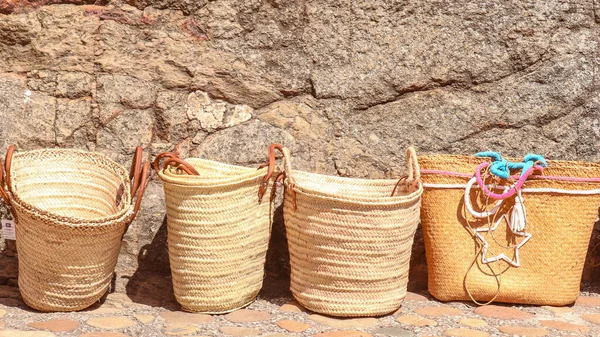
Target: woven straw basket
x,y
350,240
71,210
218,232
561,208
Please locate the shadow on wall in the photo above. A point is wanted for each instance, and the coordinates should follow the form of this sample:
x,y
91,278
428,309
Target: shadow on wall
x,y
591,269
276,285
151,283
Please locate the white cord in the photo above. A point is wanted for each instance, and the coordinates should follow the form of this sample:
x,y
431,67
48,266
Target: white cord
x,y
469,207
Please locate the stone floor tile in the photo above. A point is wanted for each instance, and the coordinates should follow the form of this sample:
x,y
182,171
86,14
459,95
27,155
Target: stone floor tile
x,y
565,326
558,310
592,318
439,311
588,301
247,315
104,334
56,325
502,312
523,331
463,332
343,323
185,318
292,307
393,332
293,326
144,318
111,322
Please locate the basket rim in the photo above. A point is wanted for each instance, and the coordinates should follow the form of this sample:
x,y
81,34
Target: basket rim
x,y
71,220
370,201
186,180
470,157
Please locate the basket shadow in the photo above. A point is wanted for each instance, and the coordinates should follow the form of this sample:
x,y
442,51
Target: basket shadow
x,y
151,283
276,284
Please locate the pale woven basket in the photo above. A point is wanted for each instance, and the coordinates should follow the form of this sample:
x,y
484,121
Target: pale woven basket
x,y
218,233
350,240
560,217
71,210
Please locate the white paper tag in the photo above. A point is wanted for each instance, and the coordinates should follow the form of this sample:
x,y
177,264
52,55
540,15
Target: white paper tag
x,y
8,229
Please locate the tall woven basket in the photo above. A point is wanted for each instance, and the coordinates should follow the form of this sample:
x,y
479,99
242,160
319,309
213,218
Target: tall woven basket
x,y
350,239
71,210
218,231
541,265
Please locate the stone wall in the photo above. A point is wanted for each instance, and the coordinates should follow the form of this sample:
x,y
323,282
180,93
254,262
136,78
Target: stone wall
x,y
348,85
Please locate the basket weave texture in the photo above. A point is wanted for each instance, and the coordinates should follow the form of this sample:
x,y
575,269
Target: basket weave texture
x,y
218,234
349,240
72,208
551,261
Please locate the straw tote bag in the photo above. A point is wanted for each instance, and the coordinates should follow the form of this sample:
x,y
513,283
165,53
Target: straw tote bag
x,y
350,239
473,250
71,210
218,231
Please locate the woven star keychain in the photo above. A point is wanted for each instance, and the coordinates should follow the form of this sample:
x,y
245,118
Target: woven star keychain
x,y
516,223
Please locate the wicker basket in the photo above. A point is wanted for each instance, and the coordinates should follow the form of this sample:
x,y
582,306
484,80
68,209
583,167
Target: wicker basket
x,y
561,208
71,210
218,232
350,240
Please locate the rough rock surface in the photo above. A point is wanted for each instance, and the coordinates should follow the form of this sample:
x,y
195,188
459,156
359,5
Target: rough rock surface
x,y
346,84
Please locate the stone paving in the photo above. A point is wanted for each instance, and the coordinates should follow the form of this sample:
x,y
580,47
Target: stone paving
x,y
275,314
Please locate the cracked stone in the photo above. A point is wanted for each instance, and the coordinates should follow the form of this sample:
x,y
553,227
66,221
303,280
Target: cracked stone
x,y
216,114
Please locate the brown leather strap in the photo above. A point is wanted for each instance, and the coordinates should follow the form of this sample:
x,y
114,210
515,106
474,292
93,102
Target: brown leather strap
x,y
144,173
143,183
271,169
3,192
7,164
136,170
413,178
180,164
156,162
